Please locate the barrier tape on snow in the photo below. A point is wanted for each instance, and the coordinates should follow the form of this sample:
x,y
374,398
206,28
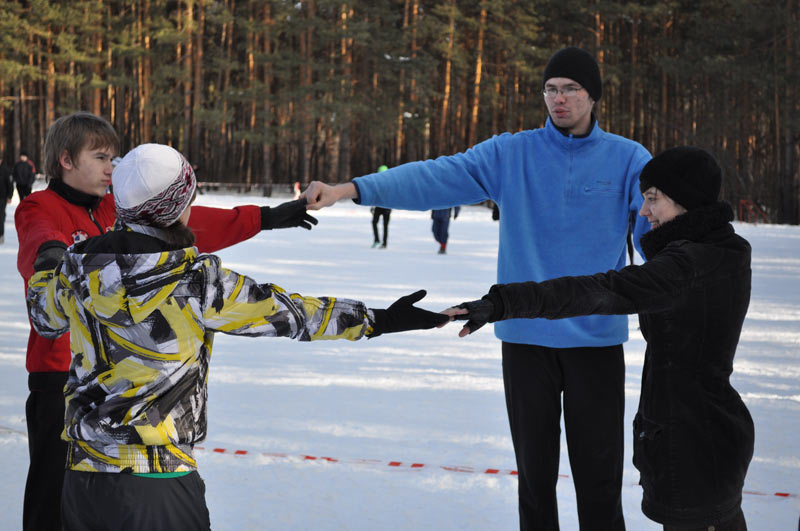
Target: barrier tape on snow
x,y
396,464
392,464
418,466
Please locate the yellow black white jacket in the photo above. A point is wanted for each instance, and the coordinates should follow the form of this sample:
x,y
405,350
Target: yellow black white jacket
x,y
142,328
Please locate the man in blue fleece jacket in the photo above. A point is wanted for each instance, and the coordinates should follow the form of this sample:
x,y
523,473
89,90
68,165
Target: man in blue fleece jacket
x,y
568,194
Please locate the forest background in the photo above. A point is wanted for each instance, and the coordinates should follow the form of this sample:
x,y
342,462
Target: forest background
x,y
267,93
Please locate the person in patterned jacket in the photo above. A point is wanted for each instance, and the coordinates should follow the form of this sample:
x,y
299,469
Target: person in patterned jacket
x,y
142,306
76,205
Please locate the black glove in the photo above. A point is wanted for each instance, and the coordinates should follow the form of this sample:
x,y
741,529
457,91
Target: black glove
x,y
487,309
287,215
402,315
49,255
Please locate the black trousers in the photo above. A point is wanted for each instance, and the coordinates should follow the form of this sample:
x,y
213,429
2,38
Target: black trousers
x,y
24,190
97,501
44,413
591,380
376,215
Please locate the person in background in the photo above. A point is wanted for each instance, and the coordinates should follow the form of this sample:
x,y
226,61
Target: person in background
x,y
143,306
6,193
692,435
441,226
377,214
24,176
568,195
78,154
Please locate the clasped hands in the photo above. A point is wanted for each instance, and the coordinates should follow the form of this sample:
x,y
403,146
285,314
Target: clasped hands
x,y
403,315
477,313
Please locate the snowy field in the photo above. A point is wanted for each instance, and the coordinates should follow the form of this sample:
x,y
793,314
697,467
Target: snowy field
x,y
409,431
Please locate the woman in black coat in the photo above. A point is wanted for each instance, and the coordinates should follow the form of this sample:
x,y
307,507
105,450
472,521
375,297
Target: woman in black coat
x,y
693,435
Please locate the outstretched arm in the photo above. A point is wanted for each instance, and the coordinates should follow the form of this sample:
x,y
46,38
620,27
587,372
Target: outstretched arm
x,y
218,228
649,287
238,305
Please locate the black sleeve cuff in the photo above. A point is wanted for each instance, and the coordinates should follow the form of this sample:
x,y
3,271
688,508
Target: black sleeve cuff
x,y
380,324
265,218
497,303
49,255
357,198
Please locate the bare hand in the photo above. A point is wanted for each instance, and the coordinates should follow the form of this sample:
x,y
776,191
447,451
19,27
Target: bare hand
x,y
453,313
319,195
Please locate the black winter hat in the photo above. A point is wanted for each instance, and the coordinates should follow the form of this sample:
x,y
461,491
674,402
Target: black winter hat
x,y
690,176
578,65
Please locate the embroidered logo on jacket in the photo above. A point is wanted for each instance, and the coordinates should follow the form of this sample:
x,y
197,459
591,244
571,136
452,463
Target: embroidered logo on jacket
x,y
79,236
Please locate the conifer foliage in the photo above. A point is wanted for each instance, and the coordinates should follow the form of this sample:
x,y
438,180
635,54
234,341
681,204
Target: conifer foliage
x,y
271,92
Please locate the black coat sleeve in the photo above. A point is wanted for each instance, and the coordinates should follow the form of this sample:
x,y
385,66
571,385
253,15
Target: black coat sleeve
x,y
649,287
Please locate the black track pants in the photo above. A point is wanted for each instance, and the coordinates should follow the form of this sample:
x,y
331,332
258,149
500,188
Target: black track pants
x,y
95,501
44,413
384,213
592,382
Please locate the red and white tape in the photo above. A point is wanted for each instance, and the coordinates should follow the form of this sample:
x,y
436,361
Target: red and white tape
x,y
417,466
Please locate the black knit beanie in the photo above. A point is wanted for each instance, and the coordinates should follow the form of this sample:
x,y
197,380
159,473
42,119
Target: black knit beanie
x,y
578,65
688,175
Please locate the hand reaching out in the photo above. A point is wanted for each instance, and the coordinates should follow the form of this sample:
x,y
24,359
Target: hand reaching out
x,y
477,313
287,215
319,195
402,315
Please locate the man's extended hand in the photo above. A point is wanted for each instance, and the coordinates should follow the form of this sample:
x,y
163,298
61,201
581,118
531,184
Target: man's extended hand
x,y
319,195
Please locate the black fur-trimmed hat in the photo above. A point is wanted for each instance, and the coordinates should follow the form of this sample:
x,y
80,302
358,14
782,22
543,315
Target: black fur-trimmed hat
x,y
578,65
690,176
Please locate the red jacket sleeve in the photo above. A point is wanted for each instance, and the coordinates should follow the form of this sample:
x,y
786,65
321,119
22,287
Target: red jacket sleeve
x,y
218,228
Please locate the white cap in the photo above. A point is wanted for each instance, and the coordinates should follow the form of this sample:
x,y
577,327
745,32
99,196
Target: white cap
x,y
153,184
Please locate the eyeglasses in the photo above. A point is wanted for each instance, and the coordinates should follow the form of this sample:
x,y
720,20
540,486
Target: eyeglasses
x,y
568,92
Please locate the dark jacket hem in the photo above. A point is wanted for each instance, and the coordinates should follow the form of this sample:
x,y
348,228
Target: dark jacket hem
x,y
695,517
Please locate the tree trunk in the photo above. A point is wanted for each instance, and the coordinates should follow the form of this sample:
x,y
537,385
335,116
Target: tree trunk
x,y
346,49
442,146
412,139
221,165
251,83
307,52
634,74
17,133
399,139
197,84
188,29
96,93
50,96
476,84
266,145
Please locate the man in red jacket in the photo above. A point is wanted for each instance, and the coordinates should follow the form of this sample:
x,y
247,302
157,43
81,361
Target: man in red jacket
x,y
76,205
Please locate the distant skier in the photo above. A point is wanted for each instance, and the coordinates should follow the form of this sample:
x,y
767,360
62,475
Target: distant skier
x,y
377,213
441,225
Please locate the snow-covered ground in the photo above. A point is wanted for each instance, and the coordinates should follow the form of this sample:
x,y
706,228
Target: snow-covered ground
x,y
409,431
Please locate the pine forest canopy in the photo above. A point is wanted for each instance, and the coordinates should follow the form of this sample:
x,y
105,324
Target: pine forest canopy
x,y
272,92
